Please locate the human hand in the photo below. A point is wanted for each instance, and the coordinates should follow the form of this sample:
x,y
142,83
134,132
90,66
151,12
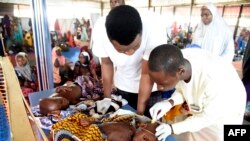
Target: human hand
x,y
159,109
163,131
103,105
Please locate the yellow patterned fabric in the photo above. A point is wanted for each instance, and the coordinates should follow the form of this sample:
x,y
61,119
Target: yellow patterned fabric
x,y
72,124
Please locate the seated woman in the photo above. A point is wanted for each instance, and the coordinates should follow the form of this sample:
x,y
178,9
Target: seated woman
x,y
26,74
81,38
84,61
91,88
61,68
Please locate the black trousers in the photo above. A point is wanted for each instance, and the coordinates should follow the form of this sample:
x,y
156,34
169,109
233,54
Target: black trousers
x,y
132,99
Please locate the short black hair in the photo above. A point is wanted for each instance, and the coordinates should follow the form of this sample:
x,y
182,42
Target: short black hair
x,y
167,58
123,23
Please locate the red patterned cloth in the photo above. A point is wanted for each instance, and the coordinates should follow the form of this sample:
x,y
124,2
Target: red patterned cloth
x,y
26,91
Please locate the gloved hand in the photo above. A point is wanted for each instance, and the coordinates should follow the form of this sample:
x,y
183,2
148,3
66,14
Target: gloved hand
x,y
163,131
103,105
120,99
159,109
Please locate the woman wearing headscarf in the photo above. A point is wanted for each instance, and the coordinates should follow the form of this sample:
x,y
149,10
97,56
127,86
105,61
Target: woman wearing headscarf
x,y
61,68
23,68
85,76
84,62
26,74
213,34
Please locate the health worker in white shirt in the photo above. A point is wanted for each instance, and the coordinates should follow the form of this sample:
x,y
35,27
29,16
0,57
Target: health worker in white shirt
x,y
210,86
123,41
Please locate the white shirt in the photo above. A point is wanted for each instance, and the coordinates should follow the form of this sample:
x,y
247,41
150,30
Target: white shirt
x,y
128,68
215,96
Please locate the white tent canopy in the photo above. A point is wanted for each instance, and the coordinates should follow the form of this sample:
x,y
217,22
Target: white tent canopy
x,y
173,10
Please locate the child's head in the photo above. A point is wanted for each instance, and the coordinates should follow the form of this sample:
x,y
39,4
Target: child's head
x,y
84,57
146,132
50,104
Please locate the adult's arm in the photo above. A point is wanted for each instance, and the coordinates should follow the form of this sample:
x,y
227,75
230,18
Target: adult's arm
x,y
145,88
107,76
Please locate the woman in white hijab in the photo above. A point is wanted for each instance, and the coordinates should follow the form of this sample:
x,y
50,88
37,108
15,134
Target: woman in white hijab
x,y
23,68
26,74
213,34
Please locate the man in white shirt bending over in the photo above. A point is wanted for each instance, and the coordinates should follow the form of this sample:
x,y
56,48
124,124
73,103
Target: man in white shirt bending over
x,y
123,41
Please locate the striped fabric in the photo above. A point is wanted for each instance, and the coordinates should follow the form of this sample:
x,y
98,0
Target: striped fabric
x,y
3,93
4,109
